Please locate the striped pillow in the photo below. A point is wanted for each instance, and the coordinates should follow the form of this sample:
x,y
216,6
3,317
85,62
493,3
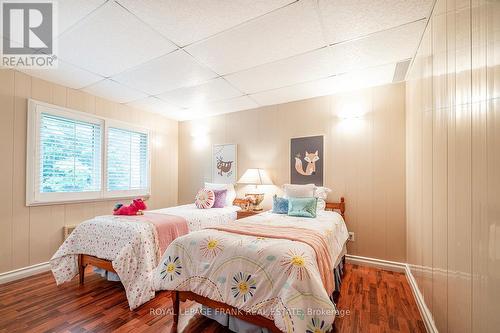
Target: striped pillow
x,y
204,199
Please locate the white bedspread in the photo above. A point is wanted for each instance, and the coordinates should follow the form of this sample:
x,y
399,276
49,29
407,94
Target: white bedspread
x,y
201,218
129,243
276,278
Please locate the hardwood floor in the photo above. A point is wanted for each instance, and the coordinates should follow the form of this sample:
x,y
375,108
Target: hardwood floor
x,y
377,301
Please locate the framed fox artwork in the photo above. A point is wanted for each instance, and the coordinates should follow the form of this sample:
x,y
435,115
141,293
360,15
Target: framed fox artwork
x,y
224,164
307,160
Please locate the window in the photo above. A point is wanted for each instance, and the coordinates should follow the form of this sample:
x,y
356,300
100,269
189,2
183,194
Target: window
x,y
70,155
127,156
73,156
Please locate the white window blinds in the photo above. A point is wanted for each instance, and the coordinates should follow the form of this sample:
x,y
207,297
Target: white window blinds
x,y
69,155
75,156
127,160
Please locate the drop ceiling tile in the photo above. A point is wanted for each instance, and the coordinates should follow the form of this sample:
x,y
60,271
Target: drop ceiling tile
x,y
377,49
286,32
296,92
185,22
368,77
345,82
213,90
381,48
156,105
114,91
220,107
305,67
168,72
184,116
345,20
69,12
65,75
111,40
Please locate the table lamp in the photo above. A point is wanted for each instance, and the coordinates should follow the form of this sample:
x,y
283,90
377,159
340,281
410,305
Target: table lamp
x,y
255,177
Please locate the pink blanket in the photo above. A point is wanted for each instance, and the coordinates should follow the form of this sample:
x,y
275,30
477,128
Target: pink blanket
x,y
312,238
168,228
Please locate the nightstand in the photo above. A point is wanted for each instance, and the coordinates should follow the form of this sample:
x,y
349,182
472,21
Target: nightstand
x,y
246,213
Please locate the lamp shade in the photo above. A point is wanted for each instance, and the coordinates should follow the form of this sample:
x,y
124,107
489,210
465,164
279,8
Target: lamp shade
x,y
255,177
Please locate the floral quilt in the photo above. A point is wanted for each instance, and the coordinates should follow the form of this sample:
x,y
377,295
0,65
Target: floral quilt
x,y
131,244
276,278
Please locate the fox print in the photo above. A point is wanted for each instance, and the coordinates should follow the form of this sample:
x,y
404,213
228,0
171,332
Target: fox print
x,y
311,160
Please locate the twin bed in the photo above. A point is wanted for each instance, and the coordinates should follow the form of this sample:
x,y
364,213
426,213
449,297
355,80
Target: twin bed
x,y
272,271
131,246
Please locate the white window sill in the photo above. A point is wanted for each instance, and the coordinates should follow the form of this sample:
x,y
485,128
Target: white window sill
x,y
62,202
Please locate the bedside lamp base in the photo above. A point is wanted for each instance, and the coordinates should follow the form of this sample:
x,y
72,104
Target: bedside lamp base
x,y
255,201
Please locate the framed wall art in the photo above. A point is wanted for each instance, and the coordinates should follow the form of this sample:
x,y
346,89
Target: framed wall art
x,y
224,163
306,160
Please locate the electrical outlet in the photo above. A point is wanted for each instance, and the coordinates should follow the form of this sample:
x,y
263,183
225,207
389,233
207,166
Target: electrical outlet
x,y
351,237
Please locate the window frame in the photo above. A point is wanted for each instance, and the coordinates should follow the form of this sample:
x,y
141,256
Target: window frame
x,y
36,198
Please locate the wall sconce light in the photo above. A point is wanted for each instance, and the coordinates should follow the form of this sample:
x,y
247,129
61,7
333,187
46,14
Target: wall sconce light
x,y
200,136
351,117
352,110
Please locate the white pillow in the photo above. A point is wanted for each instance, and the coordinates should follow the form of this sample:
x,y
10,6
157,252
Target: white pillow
x,y
321,192
298,191
230,195
321,204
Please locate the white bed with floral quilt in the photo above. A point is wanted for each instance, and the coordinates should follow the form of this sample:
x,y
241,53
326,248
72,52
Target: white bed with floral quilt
x,y
131,244
275,278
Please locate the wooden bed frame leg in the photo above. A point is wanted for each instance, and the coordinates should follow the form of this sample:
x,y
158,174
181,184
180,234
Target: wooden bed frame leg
x,y
176,306
81,269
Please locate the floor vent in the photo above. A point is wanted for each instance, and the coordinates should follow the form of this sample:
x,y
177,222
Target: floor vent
x,y
400,71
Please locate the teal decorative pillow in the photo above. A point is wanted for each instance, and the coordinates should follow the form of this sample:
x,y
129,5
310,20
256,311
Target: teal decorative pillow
x,y
280,205
302,207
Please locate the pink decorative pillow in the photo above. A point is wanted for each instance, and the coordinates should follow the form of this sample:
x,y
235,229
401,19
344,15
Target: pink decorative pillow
x,y
204,199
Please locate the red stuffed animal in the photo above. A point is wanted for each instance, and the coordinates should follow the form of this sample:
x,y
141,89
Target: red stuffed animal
x,y
135,208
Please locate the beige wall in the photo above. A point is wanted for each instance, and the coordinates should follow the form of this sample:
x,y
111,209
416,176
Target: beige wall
x,y
453,166
31,235
364,158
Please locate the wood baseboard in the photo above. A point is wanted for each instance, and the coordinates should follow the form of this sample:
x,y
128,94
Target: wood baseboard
x,y
393,266
419,298
402,268
24,272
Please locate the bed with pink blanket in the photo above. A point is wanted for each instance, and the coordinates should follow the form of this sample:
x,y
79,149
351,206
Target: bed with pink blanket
x,y
274,267
131,246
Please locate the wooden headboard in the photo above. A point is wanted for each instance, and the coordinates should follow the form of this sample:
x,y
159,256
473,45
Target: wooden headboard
x,y
340,206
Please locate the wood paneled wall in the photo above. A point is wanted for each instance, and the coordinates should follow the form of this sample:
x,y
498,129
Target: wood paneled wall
x,y
31,235
453,165
364,157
